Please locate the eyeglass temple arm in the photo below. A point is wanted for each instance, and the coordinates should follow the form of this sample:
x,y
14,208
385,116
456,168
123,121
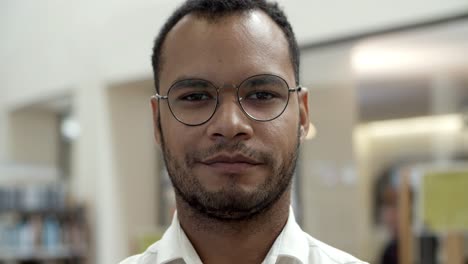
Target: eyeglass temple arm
x,y
297,89
158,96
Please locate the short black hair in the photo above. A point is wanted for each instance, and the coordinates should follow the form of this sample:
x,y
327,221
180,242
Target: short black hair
x,y
212,9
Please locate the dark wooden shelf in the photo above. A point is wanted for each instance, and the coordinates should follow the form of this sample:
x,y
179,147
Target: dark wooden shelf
x,y
40,254
60,213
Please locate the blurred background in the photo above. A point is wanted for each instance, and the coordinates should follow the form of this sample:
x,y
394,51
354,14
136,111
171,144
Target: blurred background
x,y
383,174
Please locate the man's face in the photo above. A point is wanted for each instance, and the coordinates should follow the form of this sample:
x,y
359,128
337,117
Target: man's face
x,y
231,167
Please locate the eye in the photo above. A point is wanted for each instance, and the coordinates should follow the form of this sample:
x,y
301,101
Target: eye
x,y
261,95
194,97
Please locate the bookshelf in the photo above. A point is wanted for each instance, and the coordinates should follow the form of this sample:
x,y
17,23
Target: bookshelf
x,y
38,221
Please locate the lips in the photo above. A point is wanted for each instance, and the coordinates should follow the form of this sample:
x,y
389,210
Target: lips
x,y
230,159
232,164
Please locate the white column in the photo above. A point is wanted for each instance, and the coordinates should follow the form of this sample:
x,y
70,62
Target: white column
x,y
3,132
444,100
335,202
93,174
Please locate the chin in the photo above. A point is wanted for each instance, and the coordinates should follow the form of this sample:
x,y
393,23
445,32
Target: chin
x,y
234,189
232,182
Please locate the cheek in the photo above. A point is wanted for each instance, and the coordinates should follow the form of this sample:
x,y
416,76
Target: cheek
x,y
176,135
280,134
288,123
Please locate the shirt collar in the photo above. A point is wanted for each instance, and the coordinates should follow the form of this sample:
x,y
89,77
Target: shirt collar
x,y
291,243
175,245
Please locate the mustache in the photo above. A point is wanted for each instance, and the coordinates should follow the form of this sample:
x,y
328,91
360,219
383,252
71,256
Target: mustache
x,y
197,156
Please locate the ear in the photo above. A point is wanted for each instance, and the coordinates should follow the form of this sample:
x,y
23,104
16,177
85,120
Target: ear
x,y
156,128
304,112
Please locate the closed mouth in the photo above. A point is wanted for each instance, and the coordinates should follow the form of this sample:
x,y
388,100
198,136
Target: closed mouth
x,y
230,159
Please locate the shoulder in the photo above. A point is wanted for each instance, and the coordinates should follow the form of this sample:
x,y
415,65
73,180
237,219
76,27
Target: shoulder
x,y
147,257
131,260
323,253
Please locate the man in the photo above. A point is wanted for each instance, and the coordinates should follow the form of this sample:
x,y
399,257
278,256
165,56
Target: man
x,y
229,116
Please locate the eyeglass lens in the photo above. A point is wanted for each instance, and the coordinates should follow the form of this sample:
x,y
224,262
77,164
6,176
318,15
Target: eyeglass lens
x,y
262,97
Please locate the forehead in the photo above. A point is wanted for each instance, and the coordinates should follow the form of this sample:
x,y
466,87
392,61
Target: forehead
x,y
225,50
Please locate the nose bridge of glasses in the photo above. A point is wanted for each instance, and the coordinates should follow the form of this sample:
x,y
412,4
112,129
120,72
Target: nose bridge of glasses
x,y
228,102
227,89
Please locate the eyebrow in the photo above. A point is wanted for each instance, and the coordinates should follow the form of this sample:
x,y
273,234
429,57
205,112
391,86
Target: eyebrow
x,y
263,80
199,79
198,83
186,77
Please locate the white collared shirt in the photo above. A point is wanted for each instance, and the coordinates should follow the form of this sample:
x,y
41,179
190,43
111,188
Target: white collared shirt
x,y
292,246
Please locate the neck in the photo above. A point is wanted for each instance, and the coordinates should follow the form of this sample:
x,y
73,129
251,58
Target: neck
x,y
245,241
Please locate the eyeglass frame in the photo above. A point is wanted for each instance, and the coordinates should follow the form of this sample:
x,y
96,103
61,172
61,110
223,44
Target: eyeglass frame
x,y
166,97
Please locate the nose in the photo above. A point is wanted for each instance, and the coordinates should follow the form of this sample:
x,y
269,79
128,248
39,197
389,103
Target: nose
x,y
229,121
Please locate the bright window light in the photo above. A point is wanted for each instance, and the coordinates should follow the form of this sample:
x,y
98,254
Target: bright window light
x,y
413,126
70,128
312,132
375,60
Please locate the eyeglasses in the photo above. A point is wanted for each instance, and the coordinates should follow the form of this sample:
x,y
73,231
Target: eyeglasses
x,y
262,97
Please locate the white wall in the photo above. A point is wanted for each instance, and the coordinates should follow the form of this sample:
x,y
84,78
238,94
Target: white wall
x,y
33,133
315,21
331,185
136,160
46,45
335,207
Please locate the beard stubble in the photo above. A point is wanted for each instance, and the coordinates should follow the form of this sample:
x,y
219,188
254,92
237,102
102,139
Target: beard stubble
x,y
231,203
